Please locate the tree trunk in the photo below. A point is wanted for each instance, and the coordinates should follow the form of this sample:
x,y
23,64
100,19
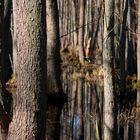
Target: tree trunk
x,y
131,51
138,76
4,122
81,32
117,31
122,49
29,102
7,50
55,93
80,108
109,92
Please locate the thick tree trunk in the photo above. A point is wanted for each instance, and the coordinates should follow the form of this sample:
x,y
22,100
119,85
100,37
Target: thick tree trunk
x,y
29,102
109,92
55,93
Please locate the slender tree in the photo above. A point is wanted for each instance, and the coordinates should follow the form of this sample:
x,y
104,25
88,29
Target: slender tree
x,y
7,50
122,48
81,31
1,30
4,122
109,92
55,93
138,73
29,102
79,108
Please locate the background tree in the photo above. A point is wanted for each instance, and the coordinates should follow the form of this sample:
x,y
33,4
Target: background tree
x,y
4,122
138,70
109,90
122,48
7,50
81,30
54,87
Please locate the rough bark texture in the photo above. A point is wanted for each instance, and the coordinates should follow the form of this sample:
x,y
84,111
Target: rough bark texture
x,y
55,94
109,104
29,102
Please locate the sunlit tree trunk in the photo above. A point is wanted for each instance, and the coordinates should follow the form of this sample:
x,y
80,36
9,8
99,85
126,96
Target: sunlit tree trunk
x,y
109,92
55,93
14,46
29,102
81,31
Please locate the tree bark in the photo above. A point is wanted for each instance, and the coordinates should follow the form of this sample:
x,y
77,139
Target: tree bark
x,y
29,102
109,92
122,51
81,32
138,75
80,108
4,122
7,49
55,93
